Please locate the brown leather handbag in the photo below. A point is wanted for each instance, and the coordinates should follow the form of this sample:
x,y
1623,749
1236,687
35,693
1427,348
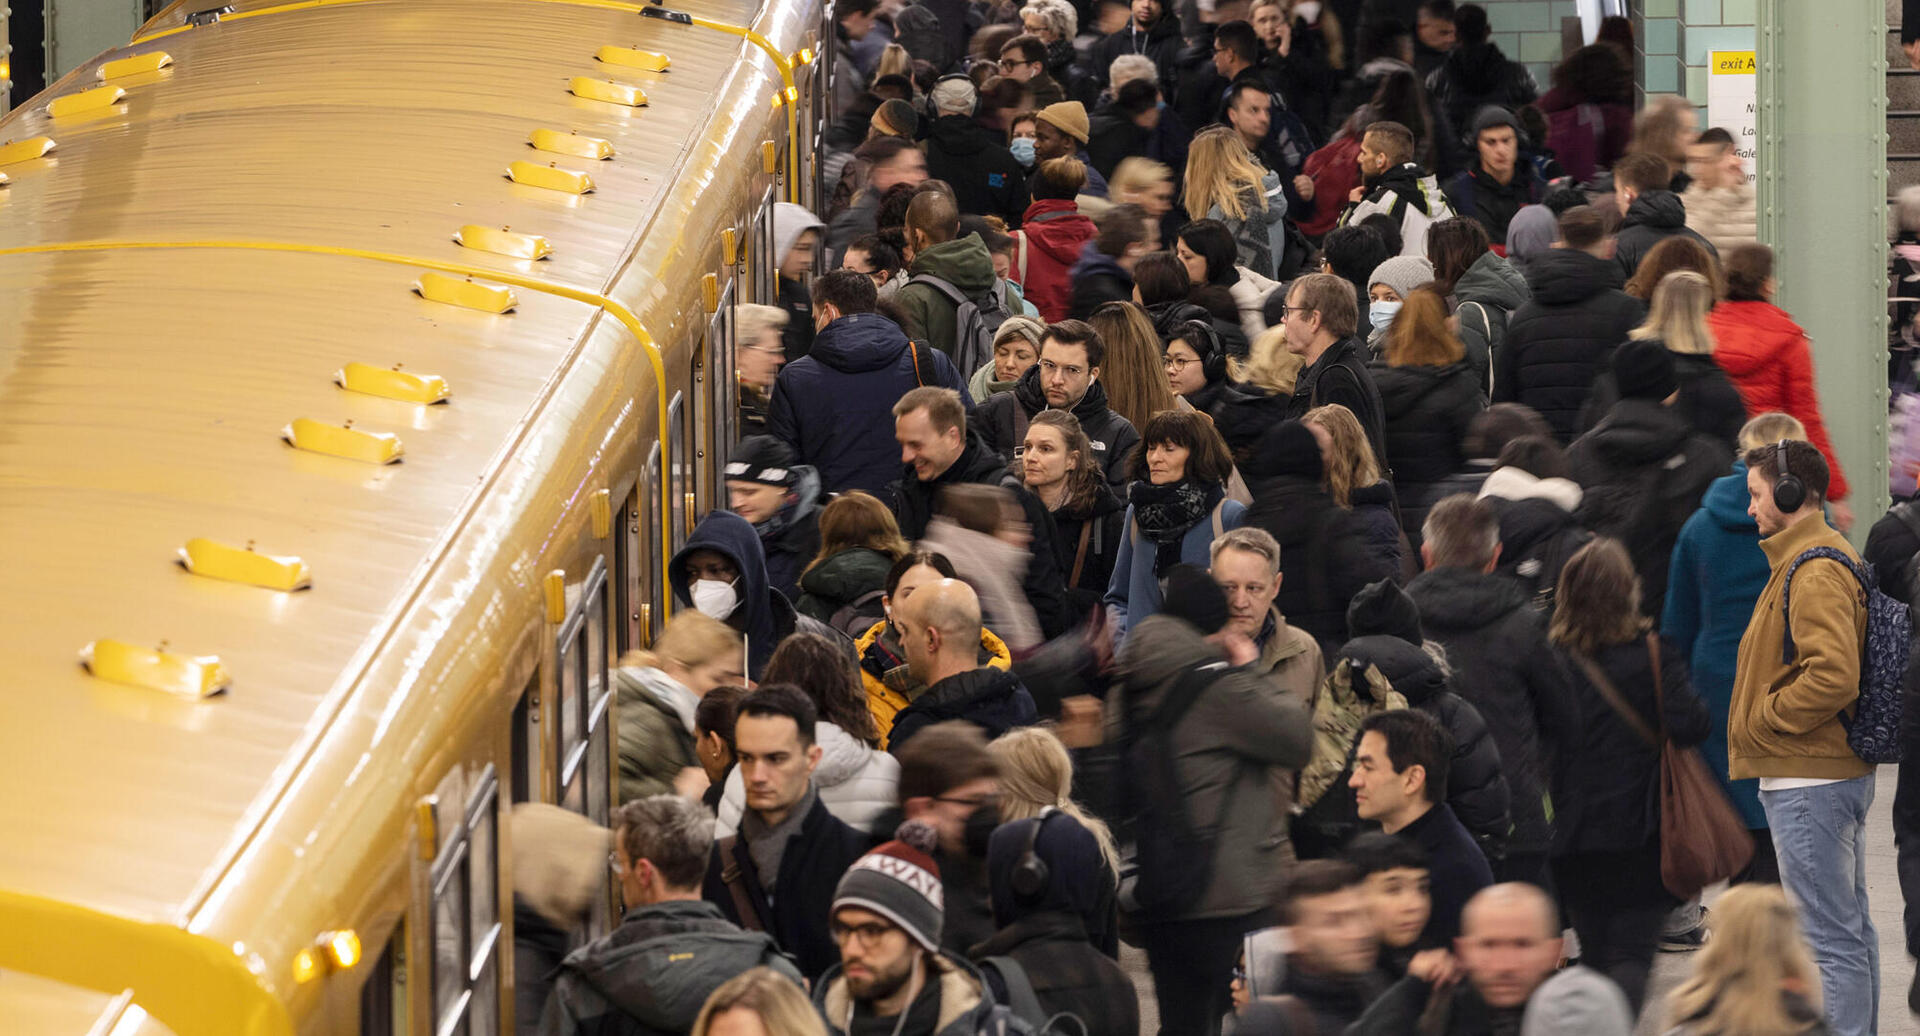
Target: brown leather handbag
x,y
1702,838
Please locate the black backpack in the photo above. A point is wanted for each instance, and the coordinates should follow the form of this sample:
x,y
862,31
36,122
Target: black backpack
x,y
1173,854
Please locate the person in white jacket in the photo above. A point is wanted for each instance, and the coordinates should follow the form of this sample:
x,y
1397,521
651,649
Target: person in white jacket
x,y
855,780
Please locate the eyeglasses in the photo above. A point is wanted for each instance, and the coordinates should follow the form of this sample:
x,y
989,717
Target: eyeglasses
x,y
866,934
1179,363
1009,64
1050,368
1284,310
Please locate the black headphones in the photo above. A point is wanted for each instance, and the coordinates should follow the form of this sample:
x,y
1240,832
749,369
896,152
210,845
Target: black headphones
x,y
1789,493
1214,367
1030,874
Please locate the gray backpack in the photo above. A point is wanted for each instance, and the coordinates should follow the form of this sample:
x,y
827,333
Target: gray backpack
x,y
975,320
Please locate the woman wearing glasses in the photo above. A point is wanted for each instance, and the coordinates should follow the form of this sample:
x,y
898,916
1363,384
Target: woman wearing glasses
x,y
1196,365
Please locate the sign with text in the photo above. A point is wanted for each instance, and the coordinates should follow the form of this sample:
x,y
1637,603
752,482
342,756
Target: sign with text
x,y
1733,101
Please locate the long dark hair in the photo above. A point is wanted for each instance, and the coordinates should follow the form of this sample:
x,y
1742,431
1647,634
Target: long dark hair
x,y
1213,242
827,675
1454,245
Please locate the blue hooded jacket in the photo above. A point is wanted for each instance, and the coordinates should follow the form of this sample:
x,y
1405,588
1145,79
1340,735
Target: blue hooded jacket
x,y
1713,582
764,615
834,406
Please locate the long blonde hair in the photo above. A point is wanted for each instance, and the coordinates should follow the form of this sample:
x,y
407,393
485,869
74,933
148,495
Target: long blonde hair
x,y
782,1006
1136,174
1133,372
690,639
1350,463
1219,167
894,61
1037,773
1678,317
1269,366
1741,976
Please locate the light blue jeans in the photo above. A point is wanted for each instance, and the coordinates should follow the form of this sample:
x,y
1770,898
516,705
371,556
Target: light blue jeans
x,y
1821,835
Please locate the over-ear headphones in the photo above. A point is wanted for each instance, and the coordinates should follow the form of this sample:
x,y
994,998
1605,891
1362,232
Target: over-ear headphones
x,y
1030,874
1214,367
1789,493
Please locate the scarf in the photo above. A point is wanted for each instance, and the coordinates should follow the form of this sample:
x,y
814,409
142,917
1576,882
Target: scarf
x,y
1165,513
768,844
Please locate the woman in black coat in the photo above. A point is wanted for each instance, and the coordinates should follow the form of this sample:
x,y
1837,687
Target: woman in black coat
x,y
1678,321
1430,396
1606,841
1057,465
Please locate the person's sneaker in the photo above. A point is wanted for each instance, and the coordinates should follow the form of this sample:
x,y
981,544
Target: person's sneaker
x,y
1687,941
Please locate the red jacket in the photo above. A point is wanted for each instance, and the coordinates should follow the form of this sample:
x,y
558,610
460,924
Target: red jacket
x,y
1766,355
1053,232
1335,172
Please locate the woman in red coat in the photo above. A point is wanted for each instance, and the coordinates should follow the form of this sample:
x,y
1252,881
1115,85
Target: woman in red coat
x,y
1050,237
1767,356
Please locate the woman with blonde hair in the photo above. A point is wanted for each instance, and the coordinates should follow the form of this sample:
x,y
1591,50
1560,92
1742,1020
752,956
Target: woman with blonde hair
x,y
1148,184
657,692
1428,395
859,541
1629,690
1353,478
1135,379
1678,320
894,61
761,1002
1225,183
759,350
1755,976
1036,777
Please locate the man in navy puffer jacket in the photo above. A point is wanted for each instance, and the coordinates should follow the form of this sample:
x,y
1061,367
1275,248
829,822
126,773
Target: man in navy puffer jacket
x,y
834,406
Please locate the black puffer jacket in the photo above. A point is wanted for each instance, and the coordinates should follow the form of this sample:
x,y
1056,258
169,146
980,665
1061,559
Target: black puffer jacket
x,y
1538,530
1643,471
1498,648
913,509
1427,412
1113,437
992,699
1708,401
1103,521
1652,218
1476,784
1340,376
1563,338
1604,791
1324,557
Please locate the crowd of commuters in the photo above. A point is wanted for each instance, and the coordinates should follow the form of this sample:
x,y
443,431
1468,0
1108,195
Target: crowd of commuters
x,y
1267,485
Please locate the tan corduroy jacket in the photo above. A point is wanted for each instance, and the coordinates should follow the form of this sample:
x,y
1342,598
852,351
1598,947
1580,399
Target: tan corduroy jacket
x,y
1784,720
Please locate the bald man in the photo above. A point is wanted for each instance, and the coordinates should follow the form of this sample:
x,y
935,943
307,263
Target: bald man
x,y
940,635
1509,944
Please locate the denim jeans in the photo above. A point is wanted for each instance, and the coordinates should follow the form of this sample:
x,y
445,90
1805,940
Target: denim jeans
x,y
1820,834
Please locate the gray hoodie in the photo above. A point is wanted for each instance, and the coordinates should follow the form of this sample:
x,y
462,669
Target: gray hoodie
x,y
1577,1002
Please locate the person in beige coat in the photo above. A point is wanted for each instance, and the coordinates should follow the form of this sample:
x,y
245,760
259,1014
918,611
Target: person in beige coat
x,y
1720,200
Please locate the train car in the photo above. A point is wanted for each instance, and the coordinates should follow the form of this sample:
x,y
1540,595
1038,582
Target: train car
x,y
364,362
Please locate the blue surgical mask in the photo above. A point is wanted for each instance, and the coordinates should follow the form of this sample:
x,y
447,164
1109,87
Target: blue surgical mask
x,y
1381,314
1022,148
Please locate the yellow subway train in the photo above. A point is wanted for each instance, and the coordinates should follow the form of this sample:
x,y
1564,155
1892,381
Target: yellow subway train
x,y
362,362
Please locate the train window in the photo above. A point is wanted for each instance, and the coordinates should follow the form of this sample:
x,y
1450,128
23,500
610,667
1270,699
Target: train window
x,y
724,384
572,672
483,925
707,442
450,992
650,544
762,264
629,562
383,1000
681,482
526,743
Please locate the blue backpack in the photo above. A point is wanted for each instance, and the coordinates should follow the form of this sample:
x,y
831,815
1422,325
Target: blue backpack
x,y
1874,731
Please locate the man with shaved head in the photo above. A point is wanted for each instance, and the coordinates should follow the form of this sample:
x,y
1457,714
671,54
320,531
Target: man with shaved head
x,y
940,635
1509,945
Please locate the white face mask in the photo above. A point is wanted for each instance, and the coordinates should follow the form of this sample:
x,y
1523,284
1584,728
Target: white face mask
x,y
1381,314
1308,9
715,599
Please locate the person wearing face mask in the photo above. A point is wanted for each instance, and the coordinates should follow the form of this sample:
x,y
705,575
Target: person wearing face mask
x,y
1176,507
658,692
1020,136
884,673
1387,290
722,573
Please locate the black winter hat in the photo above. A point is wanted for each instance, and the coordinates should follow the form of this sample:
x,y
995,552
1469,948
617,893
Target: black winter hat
x,y
1383,608
1644,370
1189,593
1289,448
763,459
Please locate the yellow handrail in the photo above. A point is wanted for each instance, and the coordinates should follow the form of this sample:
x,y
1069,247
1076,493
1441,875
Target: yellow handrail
x,y
613,308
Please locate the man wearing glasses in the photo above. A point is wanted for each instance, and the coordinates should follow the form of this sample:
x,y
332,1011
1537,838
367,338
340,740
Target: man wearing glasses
x,y
1024,59
1066,378
640,974
888,913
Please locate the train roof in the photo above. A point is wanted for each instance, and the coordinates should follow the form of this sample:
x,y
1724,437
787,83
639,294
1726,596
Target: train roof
x,y
143,392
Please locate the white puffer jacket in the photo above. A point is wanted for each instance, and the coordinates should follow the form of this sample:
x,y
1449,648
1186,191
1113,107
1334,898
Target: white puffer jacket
x,y
857,783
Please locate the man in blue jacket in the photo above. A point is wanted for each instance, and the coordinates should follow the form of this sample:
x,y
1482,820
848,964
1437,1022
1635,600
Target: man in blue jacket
x,y
834,406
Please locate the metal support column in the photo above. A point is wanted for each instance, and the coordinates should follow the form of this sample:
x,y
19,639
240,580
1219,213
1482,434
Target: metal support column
x,y
1823,208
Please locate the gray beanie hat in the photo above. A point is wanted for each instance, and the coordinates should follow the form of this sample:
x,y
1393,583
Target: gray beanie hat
x,y
1402,273
901,882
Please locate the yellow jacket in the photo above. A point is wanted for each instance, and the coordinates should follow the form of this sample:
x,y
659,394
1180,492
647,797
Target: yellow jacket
x,y
883,671
1785,717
